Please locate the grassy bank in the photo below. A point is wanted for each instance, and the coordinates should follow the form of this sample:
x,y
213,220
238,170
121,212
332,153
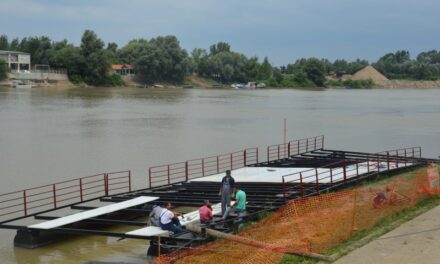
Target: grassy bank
x,y
383,226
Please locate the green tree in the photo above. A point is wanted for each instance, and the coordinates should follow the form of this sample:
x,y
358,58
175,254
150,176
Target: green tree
x,y
219,47
90,43
3,69
4,44
265,71
315,71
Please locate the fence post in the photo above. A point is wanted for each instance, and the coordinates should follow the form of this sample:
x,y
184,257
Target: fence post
x,y
315,144
357,169
284,190
388,161
203,167
405,157
331,176
54,193
257,156
278,152
307,145
298,147
149,178
106,183
397,159
186,171
301,183
322,142
80,189
317,179
218,169
168,173
24,203
231,162
420,152
129,180
244,158
288,149
344,170
368,166
268,157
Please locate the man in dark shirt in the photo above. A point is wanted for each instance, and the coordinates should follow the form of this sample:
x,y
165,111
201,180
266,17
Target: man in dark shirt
x,y
225,190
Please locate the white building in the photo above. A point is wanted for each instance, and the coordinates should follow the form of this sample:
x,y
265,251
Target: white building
x,y
15,60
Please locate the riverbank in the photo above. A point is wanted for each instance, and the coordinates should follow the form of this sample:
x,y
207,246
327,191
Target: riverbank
x,y
409,84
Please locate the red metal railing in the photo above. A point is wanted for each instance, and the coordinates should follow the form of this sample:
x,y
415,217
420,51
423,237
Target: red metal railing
x,y
196,168
341,171
56,195
294,147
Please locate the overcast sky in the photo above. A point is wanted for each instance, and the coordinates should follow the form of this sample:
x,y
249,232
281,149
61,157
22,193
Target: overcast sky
x,y
283,30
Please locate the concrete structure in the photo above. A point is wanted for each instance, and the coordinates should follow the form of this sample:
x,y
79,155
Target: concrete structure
x,y
15,60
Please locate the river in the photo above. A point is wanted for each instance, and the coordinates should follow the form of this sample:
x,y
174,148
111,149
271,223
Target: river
x,y
49,135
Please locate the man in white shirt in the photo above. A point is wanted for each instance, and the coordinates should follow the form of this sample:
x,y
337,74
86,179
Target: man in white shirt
x,y
168,220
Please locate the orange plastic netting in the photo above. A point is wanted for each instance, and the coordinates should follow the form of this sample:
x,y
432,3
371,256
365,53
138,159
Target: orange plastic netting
x,y
316,224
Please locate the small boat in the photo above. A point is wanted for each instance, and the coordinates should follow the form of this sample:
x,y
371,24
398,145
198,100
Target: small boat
x,y
22,85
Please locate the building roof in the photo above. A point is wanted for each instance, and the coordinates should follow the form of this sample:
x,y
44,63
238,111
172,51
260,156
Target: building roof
x,y
122,67
13,52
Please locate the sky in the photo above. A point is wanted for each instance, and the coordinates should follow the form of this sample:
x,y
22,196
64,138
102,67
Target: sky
x,y
282,30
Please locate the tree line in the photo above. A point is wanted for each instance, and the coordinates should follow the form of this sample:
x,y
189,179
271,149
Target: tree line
x,y
162,59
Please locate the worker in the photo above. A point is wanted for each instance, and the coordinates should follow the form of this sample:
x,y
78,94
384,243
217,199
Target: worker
x,y
169,220
226,187
389,196
239,205
205,212
155,215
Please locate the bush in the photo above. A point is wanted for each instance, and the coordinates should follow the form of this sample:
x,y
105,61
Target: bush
x,y
115,80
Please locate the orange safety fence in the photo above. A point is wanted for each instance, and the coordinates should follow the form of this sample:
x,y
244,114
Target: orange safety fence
x,y
315,224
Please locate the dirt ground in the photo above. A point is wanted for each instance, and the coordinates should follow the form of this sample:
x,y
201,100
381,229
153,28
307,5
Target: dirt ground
x,y
416,241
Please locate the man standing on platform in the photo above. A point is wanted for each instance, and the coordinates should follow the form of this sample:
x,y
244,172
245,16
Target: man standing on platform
x,y
225,190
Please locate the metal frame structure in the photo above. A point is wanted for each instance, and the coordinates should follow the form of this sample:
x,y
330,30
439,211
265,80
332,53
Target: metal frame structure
x,y
170,183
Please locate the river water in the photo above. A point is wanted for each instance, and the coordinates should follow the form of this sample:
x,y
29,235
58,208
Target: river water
x,y
49,135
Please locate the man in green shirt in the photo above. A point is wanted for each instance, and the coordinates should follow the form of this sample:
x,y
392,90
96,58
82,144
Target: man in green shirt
x,y
239,205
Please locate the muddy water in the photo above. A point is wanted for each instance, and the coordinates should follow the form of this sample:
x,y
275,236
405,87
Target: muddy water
x,y
48,136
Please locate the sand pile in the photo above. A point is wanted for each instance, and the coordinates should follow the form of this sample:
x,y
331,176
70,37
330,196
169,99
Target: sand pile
x,y
369,73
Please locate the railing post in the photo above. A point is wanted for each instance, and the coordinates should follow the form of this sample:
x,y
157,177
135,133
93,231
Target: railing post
x,y
278,152
54,196
129,180
298,148
344,167
244,158
288,149
388,160
218,168
397,159
413,153
203,167
168,174
405,157
322,142
268,157
106,184
149,178
317,179
186,171
284,189
368,166
331,176
357,169
420,152
257,156
315,144
301,183
231,162
307,145
24,203
81,190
